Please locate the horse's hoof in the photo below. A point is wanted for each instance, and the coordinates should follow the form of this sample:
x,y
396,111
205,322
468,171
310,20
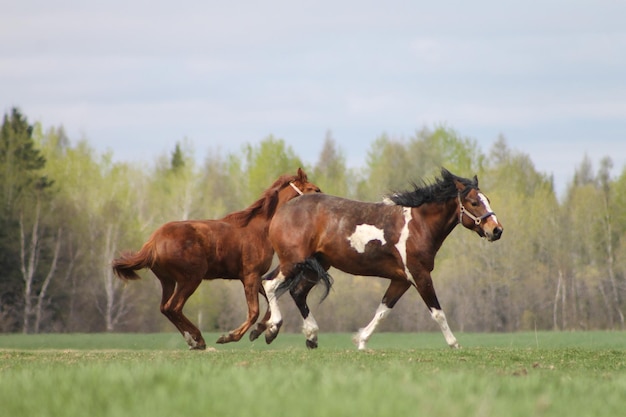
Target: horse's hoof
x,y
223,339
254,335
311,344
269,337
198,347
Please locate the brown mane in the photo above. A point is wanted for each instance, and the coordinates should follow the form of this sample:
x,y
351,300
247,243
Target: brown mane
x,y
264,206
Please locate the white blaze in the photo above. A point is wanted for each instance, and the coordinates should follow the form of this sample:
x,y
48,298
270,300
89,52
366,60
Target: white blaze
x,y
365,233
485,202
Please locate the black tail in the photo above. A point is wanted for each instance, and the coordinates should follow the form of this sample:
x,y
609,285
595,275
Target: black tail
x,y
300,270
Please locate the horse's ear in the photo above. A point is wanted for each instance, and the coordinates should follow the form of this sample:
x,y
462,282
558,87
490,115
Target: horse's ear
x,y
459,185
302,175
448,176
476,180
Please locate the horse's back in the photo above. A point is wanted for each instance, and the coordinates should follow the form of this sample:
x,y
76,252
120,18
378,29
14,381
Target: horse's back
x,y
333,227
195,242
332,211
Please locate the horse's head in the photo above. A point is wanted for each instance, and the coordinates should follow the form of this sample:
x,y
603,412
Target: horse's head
x,y
301,185
475,212
289,187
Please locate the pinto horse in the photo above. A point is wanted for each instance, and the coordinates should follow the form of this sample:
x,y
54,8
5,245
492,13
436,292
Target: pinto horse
x,y
396,239
183,253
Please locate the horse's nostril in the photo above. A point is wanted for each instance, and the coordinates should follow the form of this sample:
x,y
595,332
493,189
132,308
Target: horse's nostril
x,y
497,232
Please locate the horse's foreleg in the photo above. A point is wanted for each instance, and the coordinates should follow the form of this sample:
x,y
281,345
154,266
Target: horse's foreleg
x,y
262,325
395,290
440,317
251,285
427,291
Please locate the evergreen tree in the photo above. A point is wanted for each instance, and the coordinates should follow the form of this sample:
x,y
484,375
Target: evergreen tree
x,y
330,172
178,158
24,190
20,161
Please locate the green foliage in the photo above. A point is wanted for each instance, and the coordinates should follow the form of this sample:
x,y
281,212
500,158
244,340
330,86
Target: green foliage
x,y
266,162
330,172
392,164
560,264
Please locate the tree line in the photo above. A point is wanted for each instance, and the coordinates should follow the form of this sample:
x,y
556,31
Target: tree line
x,y
68,210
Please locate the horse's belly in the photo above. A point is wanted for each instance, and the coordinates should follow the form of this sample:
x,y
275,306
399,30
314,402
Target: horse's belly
x,y
379,263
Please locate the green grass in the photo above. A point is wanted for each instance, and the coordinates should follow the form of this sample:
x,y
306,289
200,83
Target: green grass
x,y
521,374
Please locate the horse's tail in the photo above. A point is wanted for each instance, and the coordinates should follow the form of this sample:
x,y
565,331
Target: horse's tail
x,y
129,262
311,264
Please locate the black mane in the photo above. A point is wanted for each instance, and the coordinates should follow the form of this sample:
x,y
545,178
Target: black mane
x,y
441,190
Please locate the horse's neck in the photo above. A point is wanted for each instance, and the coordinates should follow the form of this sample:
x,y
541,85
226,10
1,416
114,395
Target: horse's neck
x,y
442,220
284,197
259,225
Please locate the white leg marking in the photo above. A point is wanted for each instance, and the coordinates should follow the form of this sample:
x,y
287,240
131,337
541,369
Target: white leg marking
x,y
310,328
270,287
189,339
401,245
360,339
440,317
365,233
485,202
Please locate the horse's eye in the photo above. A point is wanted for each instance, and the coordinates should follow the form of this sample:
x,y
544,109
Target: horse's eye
x,y
474,203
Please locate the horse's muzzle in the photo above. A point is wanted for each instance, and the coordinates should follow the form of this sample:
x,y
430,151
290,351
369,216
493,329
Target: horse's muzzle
x,y
495,234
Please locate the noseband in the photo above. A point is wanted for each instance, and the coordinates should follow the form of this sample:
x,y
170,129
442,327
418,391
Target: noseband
x,y
296,188
463,210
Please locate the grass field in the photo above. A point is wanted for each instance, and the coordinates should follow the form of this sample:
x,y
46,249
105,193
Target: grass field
x,y
521,374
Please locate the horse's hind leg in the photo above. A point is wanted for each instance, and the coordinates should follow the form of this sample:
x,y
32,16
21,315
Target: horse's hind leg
x,y
251,286
395,290
299,295
309,325
270,283
300,277
175,296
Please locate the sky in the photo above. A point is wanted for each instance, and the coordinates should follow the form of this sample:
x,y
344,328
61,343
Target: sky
x,y
135,77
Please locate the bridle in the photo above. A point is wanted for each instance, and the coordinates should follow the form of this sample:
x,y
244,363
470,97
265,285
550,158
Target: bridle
x,y
295,188
463,210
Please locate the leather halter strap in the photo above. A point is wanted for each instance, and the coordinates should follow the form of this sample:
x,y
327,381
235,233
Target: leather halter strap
x,y
462,210
295,188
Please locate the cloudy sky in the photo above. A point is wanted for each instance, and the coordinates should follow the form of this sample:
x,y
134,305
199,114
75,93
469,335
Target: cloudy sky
x,y
135,77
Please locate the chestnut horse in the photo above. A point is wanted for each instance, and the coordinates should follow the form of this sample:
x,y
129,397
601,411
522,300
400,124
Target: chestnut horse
x,y
183,253
396,239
